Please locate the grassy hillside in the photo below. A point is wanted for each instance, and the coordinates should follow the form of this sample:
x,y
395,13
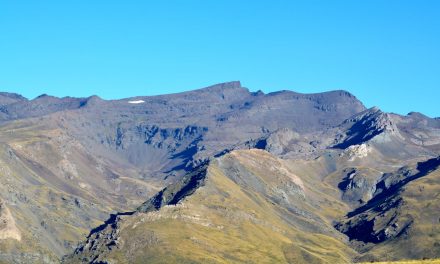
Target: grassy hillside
x,y
243,214
252,207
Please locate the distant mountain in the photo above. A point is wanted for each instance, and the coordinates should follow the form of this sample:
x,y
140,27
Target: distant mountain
x,y
219,175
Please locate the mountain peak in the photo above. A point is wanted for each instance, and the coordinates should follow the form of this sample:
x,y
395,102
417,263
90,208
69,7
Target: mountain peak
x,y
417,115
222,87
10,98
365,126
226,85
227,91
13,96
375,109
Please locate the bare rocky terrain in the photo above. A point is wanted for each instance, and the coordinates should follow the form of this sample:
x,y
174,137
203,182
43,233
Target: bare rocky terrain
x,y
216,175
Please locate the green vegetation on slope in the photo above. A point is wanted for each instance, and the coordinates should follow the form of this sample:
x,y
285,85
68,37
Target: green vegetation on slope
x,y
242,214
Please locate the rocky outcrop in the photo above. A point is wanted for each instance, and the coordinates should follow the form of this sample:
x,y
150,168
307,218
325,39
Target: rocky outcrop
x,y
385,215
174,193
8,229
365,126
356,151
358,185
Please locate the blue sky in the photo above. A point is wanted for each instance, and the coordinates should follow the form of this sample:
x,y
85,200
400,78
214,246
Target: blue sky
x,y
387,53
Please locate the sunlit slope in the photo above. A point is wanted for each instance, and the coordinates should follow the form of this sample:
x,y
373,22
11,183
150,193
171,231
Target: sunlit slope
x,y
250,208
53,191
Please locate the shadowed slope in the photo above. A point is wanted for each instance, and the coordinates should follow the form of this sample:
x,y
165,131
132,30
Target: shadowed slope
x,y
401,221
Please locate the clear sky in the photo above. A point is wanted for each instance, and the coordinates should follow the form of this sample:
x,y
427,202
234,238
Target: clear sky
x,y
386,52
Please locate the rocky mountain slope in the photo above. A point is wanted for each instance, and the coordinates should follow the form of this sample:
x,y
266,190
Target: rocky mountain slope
x,y
402,219
184,179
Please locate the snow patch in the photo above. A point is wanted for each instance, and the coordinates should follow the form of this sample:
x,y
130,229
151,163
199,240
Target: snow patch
x,y
136,102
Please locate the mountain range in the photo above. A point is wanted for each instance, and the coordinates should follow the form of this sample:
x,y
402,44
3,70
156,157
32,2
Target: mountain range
x,y
216,175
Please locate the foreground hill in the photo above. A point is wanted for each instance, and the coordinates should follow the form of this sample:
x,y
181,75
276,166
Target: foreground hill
x,y
246,206
251,207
